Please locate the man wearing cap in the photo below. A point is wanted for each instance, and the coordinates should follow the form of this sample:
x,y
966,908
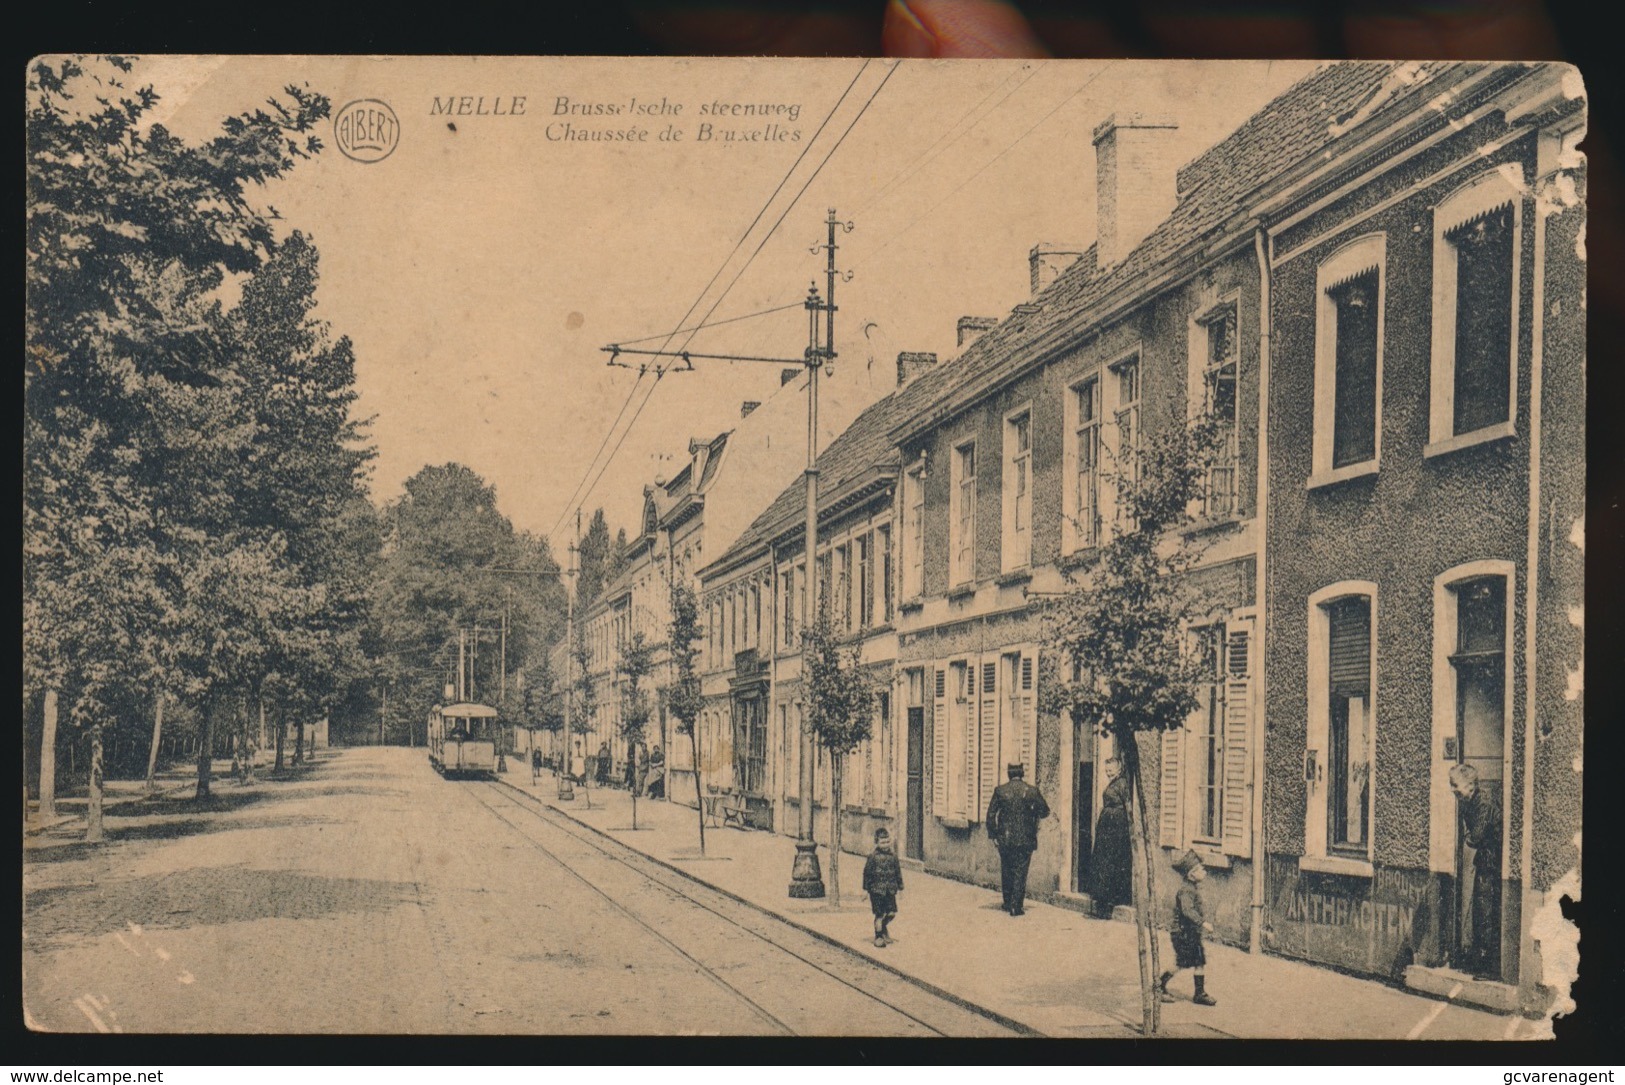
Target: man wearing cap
x,y
1012,824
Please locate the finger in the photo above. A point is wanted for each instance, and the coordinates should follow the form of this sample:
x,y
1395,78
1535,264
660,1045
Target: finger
x,y
958,28
760,28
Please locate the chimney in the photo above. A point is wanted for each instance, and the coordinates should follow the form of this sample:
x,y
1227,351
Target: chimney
x,y
972,327
1046,261
911,363
788,375
749,405
1135,174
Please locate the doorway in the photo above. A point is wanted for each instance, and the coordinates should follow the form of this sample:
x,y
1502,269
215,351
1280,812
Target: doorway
x,y
1083,805
915,842
1480,665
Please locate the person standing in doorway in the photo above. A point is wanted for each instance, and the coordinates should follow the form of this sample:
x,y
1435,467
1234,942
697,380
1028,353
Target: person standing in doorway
x,y
1012,824
1481,829
1111,872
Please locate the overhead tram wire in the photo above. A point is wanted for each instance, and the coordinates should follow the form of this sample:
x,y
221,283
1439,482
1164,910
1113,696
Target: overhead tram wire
x,y
578,495
805,185
939,147
862,260
798,304
607,434
765,238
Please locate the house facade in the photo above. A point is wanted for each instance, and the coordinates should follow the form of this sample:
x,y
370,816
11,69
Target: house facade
x,y
1426,437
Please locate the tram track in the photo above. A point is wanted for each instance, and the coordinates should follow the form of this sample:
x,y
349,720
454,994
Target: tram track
x,y
897,1005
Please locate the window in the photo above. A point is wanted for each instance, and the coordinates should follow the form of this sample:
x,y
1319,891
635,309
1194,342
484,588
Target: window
x,y
883,559
1220,404
1209,736
1348,360
962,543
1475,310
864,577
1340,755
1205,784
842,608
950,736
787,606
1083,495
1018,498
1126,378
826,568
914,532
750,744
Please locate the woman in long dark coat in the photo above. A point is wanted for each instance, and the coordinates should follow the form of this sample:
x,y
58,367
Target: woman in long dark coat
x,y
1111,870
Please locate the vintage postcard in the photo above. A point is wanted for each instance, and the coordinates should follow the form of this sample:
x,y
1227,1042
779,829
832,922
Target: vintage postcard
x,y
594,546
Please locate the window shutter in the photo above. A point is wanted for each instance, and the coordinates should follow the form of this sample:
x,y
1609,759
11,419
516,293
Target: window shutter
x,y
1029,712
1168,810
939,747
987,740
1238,712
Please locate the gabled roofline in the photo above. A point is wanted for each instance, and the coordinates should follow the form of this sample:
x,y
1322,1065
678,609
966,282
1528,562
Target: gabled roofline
x,y
1301,182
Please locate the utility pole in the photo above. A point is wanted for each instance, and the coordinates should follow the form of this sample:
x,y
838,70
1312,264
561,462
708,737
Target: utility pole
x,y
563,759
462,667
806,879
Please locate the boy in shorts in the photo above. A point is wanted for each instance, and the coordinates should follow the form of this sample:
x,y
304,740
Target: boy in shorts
x,y
883,880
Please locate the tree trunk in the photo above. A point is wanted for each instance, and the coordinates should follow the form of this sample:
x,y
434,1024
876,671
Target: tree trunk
x,y
299,740
699,794
1144,891
632,760
835,774
157,736
93,807
281,737
205,749
47,759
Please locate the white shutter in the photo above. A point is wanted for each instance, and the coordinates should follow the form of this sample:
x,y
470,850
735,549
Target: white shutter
x,y
1169,811
1029,712
939,746
1238,712
987,739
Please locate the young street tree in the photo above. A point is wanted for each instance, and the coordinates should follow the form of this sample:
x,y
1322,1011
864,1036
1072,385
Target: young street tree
x,y
1127,667
841,707
684,700
637,661
586,693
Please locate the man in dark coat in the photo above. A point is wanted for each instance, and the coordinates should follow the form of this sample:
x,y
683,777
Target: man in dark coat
x,y
1012,824
1481,828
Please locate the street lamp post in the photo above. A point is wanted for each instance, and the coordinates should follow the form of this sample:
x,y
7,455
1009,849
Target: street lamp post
x,y
806,879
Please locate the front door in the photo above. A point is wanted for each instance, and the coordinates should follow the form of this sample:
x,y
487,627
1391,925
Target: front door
x,y
915,844
1083,805
1479,662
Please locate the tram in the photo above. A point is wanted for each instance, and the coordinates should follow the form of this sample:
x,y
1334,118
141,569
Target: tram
x,y
463,739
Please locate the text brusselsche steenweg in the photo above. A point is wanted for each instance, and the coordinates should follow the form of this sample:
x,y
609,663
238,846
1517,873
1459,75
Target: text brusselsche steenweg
x,y
634,120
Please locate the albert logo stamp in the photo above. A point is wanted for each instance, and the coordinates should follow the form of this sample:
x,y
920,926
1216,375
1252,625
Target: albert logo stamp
x,y
366,130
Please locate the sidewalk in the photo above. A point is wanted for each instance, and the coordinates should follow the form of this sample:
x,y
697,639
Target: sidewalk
x,y
1055,970
177,779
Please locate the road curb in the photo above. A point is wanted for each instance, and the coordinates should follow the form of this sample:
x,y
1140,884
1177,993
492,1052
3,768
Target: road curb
x,y
925,985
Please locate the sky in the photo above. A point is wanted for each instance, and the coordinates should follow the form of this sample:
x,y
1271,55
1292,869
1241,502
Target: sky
x,y
482,265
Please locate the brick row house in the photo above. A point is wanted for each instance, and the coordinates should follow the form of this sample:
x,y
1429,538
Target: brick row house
x,y
1375,286
724,482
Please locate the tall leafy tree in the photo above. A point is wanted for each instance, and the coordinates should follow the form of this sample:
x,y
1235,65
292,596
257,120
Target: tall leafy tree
x,y
595,553
1127,668
840,712
129,394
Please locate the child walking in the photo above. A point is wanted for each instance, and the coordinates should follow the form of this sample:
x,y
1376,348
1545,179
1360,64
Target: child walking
x,y
1189,924
883,880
